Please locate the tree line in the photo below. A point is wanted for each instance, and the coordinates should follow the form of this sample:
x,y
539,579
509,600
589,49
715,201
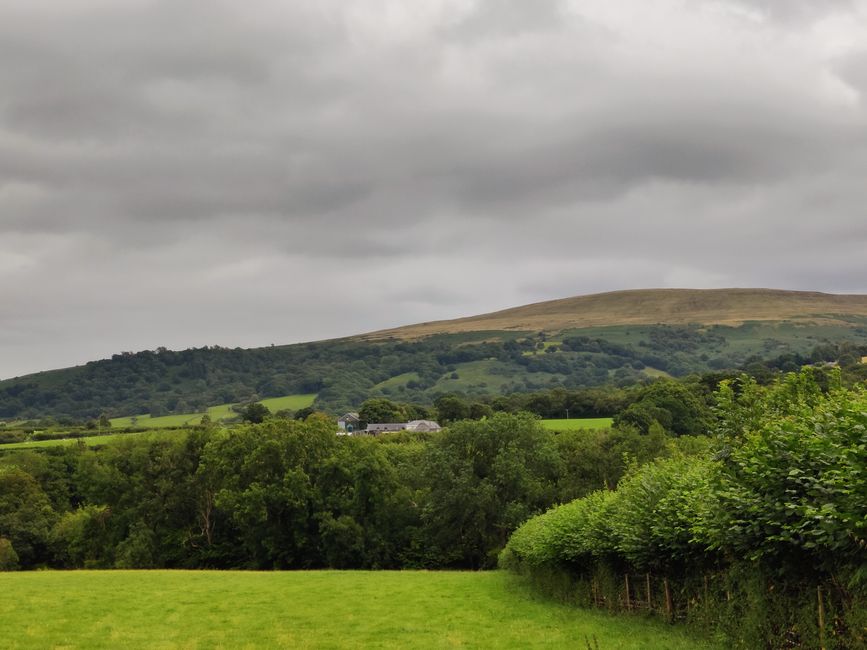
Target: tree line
x,y
344,373
291,494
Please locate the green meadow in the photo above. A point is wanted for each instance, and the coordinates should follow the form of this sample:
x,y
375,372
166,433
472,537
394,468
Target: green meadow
x,y
574,424
90,441
293,402
216,413
306,609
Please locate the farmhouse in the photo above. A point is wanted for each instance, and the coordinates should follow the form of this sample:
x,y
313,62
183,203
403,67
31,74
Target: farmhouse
x,y
348,422
376,428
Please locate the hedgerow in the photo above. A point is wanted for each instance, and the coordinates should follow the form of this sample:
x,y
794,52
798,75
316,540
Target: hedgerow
x,y
775,521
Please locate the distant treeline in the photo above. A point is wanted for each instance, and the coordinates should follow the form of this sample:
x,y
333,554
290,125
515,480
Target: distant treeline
x,y
292,494
345,373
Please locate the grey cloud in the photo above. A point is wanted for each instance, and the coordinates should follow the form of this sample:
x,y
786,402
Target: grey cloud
x,y
250,169
796,10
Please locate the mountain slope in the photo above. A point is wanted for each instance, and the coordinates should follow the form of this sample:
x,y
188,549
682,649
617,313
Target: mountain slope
x,y
649,307
612,338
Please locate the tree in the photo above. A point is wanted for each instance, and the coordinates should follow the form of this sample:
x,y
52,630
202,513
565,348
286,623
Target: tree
x,y
380,409
8,556
255,413
26,515
451,408
485,479
80,538
676,406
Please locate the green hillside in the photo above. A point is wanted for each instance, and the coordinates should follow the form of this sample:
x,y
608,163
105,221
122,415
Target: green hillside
x,y
617,338
216,413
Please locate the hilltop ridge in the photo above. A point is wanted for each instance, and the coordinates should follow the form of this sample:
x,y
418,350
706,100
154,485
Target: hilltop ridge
x,y
649,307
618,338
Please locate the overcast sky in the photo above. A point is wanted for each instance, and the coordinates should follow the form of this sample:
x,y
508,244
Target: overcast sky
x,y
196,172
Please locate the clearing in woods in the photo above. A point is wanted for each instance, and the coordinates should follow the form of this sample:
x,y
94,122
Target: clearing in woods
x,y
306,609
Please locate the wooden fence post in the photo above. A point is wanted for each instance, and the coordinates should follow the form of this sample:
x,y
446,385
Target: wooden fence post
x,y
628,601
668,607
649,603
821,618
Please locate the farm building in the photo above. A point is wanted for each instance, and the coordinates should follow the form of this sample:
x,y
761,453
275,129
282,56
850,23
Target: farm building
x,y
422,425
415,425
348,422
384,427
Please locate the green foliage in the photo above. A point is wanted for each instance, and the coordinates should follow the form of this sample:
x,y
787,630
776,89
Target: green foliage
x,y
344,373
451,408
655,513
677,406
793,487
292,494
484,479
784,498
8,556
381,410
26,515
255,413
80,538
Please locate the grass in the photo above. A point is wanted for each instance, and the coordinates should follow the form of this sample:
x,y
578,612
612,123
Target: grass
x,y
485,376
216,413
322,609
90,441
293,402
574,424
397,381
178,420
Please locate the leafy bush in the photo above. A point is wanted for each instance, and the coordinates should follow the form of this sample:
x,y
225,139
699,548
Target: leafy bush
x,y
779,511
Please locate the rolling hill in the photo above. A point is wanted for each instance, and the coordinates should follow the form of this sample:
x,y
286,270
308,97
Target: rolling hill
x,y
649,307
611,338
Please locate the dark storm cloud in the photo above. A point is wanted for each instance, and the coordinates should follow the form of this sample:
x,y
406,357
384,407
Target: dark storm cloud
x,y
189,172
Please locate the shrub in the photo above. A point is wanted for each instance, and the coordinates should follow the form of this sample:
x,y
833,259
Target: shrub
x,y
8,556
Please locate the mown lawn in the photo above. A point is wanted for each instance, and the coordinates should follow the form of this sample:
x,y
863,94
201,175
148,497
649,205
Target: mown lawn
x,y
319,609
573,424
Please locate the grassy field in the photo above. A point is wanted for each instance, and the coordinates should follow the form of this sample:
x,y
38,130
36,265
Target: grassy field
x,y
486,376
293,402
573,424
323,609
90,441
216,413
179,420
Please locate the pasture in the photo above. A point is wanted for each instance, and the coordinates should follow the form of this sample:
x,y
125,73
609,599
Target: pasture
x,y
89,441
575,424
216,413
306,609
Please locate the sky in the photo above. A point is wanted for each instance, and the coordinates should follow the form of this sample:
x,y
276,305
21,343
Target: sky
x,y
183,173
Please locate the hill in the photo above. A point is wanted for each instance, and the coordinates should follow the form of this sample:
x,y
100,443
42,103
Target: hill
x,y
648,307
612,338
